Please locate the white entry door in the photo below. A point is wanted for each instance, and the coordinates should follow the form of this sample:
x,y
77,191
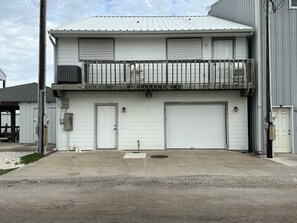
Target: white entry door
x,y
282,130
201,126
223,50
106,127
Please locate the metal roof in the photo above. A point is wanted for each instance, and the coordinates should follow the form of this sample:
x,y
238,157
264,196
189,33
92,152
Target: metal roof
x,y
2,75
151,24
24,93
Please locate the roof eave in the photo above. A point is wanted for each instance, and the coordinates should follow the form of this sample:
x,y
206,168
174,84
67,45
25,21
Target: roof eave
x,y
57,33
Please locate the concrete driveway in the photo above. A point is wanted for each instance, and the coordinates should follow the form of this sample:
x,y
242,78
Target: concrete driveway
x,y
178,163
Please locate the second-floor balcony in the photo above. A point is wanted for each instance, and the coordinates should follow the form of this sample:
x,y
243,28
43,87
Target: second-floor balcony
x,y
159,75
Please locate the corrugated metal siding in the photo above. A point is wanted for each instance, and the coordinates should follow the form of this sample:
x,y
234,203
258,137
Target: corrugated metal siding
x,y
283,59
144,118
27,130
140,49
28,122
241,11
283,46
184,49
51,118
96,49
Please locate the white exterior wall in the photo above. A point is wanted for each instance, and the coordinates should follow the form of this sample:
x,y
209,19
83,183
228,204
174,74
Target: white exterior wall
x,y
241,48
27,123
144,118
206,48
29,120
140,49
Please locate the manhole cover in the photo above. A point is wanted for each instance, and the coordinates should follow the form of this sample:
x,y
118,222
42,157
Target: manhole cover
x,y
159,156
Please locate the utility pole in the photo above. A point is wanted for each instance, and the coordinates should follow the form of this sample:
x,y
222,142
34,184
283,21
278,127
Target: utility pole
x,y
41,79
268,84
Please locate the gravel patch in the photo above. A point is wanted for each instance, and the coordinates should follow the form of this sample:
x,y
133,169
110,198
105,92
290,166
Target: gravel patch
x,y
11,159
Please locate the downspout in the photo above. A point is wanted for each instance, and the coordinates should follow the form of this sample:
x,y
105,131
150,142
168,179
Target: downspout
x,y
260,110
54,43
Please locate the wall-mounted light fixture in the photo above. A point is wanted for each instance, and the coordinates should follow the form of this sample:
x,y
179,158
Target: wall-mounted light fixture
x,y
235,109
123,109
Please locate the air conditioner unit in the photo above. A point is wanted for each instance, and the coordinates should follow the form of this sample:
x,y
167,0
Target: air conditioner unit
x,y
68,74
238,74
136,70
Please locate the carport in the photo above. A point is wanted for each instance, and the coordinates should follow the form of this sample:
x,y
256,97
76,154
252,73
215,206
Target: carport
x,y
23,98
9,132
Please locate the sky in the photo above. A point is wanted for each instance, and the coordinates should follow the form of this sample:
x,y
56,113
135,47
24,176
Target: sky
x,y
19,27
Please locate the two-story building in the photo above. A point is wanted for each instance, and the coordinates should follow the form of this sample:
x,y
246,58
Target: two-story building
x,y
153,82
283,45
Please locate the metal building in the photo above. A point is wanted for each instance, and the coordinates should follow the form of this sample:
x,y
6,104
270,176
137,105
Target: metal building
x,y
22,100
283,35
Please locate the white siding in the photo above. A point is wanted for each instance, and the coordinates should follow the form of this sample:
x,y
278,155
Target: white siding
x,y
140,49
206,46
29,119
27,122
51,122
144,117
68,51
241,48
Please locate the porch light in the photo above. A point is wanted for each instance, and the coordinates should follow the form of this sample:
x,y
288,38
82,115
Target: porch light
x,y
235,109
123,109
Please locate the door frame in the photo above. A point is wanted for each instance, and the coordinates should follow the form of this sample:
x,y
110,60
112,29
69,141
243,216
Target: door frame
x,y
96,105
214,39
291,124
225,103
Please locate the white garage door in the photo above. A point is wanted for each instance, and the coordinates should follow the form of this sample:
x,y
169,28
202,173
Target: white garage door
x,y
195,126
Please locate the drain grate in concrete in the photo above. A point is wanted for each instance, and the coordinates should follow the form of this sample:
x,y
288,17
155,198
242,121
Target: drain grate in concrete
x,y
159,156
73,174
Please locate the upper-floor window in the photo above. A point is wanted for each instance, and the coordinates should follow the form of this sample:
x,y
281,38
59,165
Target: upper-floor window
x,y
183,49
293,4
96,49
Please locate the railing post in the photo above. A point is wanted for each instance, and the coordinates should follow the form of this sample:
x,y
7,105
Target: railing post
x,y
83,73
166,73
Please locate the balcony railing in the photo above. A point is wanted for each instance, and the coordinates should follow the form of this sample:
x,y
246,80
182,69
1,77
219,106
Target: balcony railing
x,y
168,75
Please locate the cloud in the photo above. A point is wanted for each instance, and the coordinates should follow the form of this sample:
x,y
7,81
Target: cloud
x,y
19,22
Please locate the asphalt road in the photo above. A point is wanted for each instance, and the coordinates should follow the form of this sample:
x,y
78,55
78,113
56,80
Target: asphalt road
x,y
144,199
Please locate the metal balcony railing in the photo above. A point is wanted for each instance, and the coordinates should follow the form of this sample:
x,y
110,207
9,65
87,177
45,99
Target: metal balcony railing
x,y
171,74
162,75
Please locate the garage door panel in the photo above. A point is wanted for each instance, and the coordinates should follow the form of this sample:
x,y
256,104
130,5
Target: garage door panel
x,y
195,126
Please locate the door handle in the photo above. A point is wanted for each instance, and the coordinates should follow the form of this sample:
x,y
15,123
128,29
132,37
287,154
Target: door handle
x,y
115,127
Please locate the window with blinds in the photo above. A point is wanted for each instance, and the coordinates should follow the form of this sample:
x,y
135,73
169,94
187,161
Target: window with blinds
x,y
96,49
183,49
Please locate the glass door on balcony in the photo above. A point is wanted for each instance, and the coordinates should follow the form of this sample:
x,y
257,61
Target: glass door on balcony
x,y
223,50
